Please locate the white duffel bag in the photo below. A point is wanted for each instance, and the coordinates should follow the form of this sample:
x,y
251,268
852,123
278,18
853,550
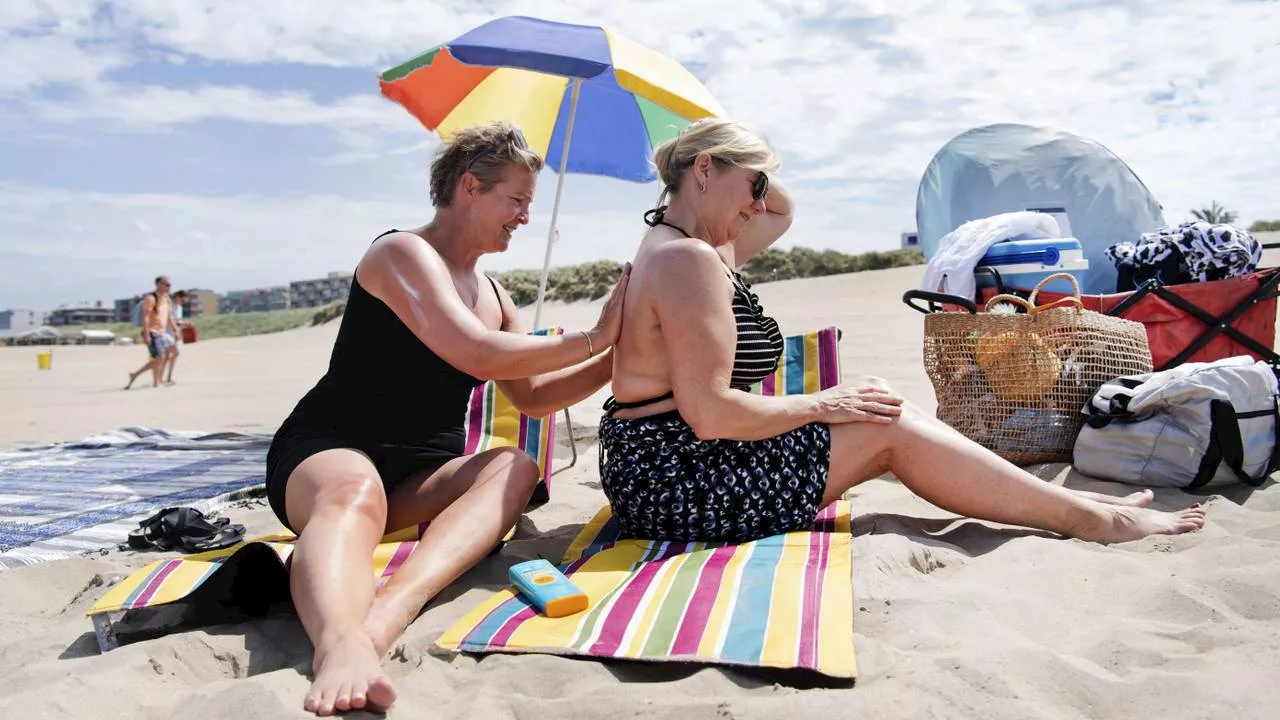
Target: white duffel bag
x,y
1188,427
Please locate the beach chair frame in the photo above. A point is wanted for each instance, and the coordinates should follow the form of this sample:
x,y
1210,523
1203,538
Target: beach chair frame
x,y
1214,326
482,433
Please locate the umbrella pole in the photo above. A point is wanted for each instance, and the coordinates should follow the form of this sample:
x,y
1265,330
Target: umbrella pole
x,y
555,208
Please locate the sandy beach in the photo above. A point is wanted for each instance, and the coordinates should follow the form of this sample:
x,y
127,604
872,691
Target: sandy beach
x,y
953,618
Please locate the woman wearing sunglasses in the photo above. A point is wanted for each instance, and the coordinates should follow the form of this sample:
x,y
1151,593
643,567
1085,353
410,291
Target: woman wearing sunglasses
x,y
377,444
687,455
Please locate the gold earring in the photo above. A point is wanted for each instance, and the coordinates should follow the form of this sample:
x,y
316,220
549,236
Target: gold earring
x,y
702,187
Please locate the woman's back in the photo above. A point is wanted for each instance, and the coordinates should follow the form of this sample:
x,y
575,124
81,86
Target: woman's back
x,y
639,358
642,358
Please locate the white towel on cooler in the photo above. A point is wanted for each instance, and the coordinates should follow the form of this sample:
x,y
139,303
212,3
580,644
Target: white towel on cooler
x,y
950,270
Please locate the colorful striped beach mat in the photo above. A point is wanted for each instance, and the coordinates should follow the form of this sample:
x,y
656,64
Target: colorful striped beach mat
x,y
783,602
250,578
493,421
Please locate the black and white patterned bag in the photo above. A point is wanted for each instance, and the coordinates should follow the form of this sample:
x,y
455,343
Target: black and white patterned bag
x,y
1191,252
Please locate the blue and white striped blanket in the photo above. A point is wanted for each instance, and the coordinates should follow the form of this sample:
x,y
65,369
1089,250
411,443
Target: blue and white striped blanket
x,y
71,498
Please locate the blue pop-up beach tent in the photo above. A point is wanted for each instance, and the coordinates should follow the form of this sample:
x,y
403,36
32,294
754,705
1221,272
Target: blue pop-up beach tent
x,y
1006,168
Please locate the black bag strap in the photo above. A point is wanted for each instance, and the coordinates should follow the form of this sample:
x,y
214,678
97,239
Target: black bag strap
x,y
1227,445
1221,414
1275,448
1117,404
1274,463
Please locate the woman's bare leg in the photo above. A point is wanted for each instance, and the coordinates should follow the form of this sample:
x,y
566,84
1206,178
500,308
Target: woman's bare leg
x,y
335,501
471,502
956,474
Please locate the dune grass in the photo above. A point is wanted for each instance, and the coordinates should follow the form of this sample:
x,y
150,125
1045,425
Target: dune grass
x,y
210,327
588,281
594,280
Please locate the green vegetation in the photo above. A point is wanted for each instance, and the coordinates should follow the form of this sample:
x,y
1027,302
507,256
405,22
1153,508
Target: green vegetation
x,y
1265,226
594,280
120,329
802,262
209,327
589,281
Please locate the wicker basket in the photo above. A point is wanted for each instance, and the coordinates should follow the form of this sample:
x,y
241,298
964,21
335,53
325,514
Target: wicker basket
x,y
1015,382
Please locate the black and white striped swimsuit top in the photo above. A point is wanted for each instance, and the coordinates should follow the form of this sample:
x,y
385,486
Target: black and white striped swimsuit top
x,y
759,344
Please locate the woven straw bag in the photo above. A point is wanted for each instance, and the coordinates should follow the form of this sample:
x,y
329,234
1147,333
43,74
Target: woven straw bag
x,y
1016,382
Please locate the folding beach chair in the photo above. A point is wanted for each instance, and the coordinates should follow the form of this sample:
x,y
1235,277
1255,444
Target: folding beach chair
x,y
1189,322
494,421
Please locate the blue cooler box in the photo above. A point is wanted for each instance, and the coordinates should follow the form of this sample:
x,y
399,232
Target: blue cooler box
x,y
1023,263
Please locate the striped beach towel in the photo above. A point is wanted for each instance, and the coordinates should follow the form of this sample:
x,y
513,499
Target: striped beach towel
x,y
252,576
779,602
494,421
66,499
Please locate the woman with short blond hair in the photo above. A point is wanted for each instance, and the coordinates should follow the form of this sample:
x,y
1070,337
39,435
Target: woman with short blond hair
x,y
377,444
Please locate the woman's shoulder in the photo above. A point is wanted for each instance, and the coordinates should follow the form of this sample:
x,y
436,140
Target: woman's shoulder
x,y
683,252
393,246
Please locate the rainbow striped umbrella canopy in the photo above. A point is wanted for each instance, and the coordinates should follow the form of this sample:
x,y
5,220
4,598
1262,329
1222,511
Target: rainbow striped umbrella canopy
x,y
610,99
565,86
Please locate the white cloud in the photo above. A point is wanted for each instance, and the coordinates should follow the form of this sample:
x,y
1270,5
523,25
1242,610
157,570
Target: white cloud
x,y
28,62
149,107
857,95
318,32
211,240
65,16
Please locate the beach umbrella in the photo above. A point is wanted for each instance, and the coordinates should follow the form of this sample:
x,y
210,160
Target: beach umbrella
x,y
610,98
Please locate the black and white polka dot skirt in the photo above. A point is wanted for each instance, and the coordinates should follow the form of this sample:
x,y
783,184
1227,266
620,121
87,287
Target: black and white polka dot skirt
x,y
663,483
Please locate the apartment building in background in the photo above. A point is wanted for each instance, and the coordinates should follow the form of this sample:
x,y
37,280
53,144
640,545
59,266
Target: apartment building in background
x,y
320,291
200,302
255,300
82,314
124,308
13,322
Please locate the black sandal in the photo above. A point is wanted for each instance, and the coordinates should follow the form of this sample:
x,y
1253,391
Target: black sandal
x,y
186,529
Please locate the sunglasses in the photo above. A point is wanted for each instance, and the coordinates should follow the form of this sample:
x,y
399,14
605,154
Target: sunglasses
x,y
490,149
760,188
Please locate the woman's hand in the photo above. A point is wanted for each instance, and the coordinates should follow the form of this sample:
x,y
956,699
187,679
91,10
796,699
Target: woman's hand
x,y
864,399
609,327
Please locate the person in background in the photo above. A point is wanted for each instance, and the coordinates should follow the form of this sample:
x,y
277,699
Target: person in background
x,y
157,316
175,330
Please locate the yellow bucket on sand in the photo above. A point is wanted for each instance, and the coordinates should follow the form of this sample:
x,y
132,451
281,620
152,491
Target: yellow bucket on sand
x,y
44,359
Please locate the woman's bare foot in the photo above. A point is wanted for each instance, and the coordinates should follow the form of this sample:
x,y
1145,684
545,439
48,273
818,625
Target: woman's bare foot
x,y
1118,523
1142,498
387,620
348,676
132,377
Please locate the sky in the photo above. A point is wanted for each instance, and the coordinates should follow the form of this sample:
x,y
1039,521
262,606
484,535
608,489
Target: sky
x,y
237,144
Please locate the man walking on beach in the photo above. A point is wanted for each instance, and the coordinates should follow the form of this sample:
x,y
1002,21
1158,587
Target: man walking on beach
x,y
157,316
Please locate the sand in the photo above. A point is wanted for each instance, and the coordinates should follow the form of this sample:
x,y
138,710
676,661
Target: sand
x,y
954,618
